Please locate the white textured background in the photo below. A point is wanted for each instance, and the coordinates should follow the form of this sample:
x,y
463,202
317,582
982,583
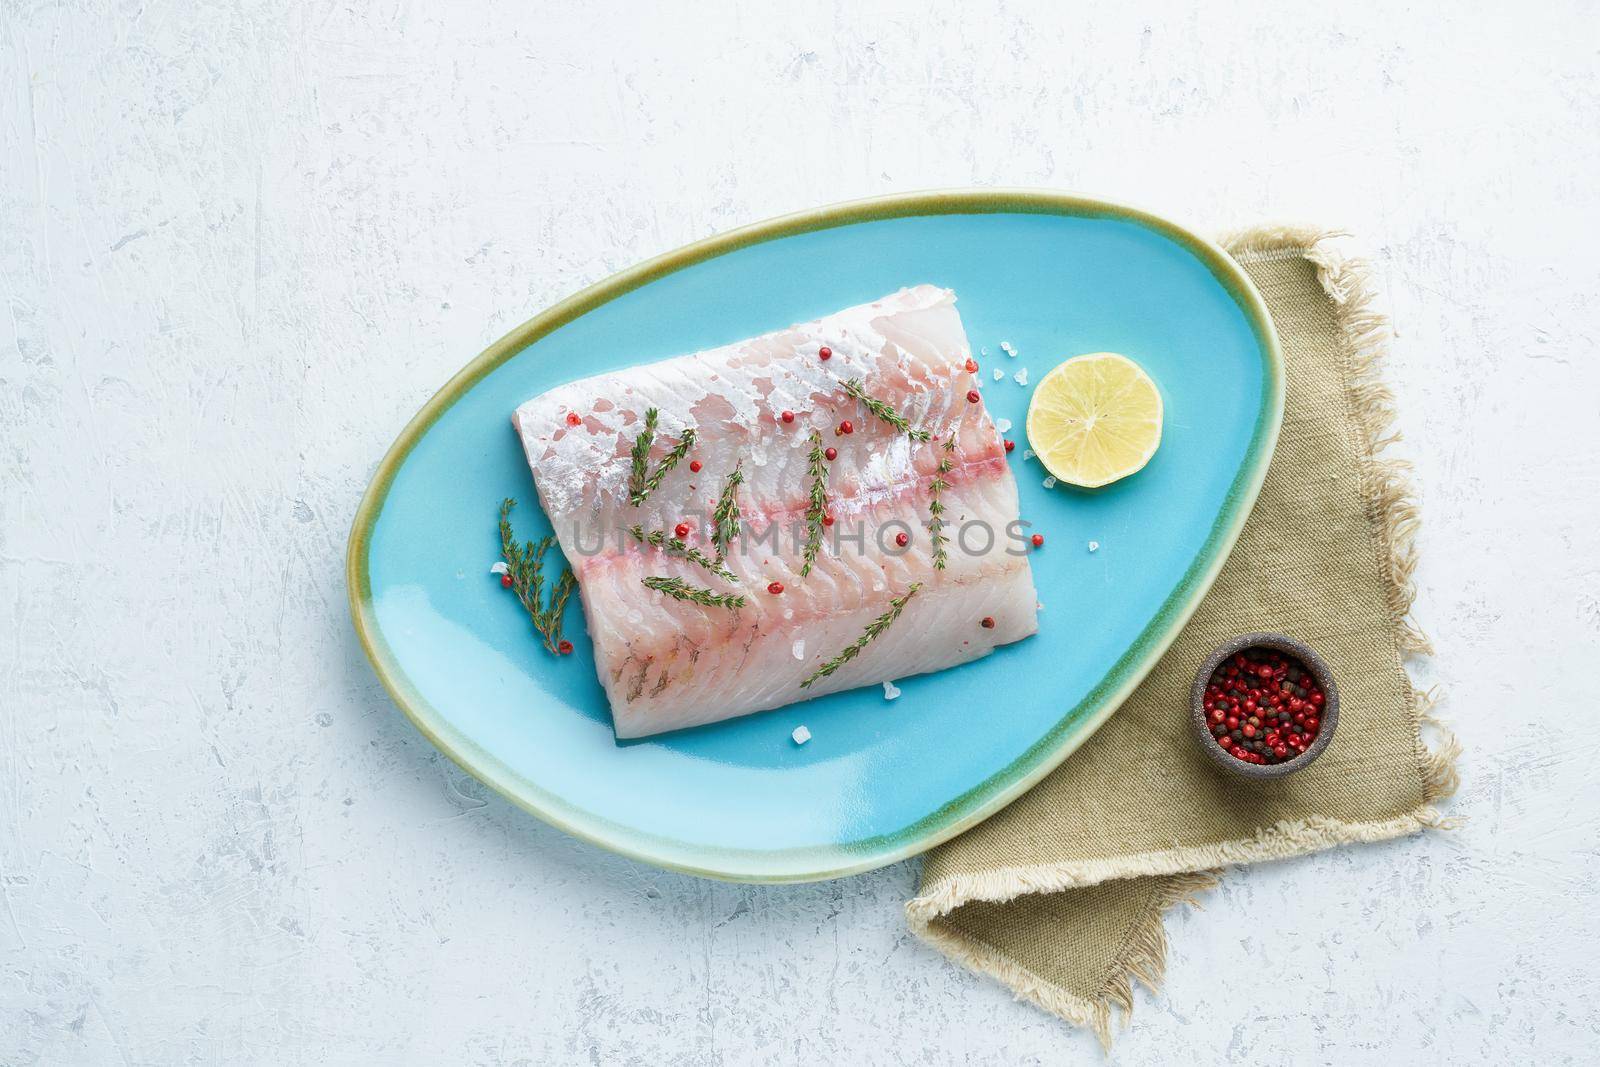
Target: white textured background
x,y
240,243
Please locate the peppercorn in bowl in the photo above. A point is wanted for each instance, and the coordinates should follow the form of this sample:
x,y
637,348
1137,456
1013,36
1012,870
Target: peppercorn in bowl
x,y
1264,706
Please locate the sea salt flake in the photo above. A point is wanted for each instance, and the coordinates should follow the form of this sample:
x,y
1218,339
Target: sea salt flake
x,y
499,568
1050,482
1005,346
1021,376
1094,546
799,648
1028,453
998,374
801,735
1003,425
983,351
890,690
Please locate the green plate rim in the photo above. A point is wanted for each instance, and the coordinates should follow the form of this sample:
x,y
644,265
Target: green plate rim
x,y
1076,724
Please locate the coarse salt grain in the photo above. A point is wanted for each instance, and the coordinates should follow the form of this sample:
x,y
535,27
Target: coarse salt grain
x,y
1021,376
1003,425
1028,453
1050,482
998,374
799,648
890,690
1005,346
499,568
1094,546
801,735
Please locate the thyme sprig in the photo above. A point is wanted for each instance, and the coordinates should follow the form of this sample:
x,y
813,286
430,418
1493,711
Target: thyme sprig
x,y
525,565
936,506
679,589
874,628
855,388
641,454
725,516
641,483
676,546
668,461
817,505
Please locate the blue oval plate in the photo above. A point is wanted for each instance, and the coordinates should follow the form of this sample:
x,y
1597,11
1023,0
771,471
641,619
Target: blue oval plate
x,y
1053,275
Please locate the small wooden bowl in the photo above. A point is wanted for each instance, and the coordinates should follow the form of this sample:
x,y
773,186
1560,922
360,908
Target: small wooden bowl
x,y
1308,659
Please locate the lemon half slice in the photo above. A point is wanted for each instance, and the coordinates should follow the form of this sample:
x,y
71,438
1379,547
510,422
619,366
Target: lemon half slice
x,y
1095,419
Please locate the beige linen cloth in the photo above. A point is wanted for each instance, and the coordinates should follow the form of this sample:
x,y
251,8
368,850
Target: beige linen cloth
x,y
1061,895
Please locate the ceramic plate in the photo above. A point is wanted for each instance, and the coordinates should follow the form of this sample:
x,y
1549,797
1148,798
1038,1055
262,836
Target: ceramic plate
x,y
1052,275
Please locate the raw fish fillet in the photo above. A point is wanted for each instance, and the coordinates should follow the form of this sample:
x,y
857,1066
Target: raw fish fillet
x,y
667,664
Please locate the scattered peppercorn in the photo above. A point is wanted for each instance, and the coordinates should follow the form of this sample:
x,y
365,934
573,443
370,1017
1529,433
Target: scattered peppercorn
x,y
573,419
827,520
824,352
902,539
1038,540
1011,446
787,416
1261,706
973,396
682,530
832,454
564,648
505,581
987,622
972,366
846,427
694,465
775,588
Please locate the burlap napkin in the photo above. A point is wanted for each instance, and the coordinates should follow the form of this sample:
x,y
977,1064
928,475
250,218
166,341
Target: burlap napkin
x,y
1060,896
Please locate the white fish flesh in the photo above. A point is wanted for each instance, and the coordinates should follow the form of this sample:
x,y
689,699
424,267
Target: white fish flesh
x,y
668,663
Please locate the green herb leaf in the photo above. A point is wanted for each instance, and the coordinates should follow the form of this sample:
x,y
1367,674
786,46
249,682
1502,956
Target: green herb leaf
x,y
679,589
936,505
874,628
674,546
855,388
817,505
641,455
525,565
640,484
725,516
668,461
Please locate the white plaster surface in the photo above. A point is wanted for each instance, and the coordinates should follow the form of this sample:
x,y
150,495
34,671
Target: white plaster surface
x,y
240,243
